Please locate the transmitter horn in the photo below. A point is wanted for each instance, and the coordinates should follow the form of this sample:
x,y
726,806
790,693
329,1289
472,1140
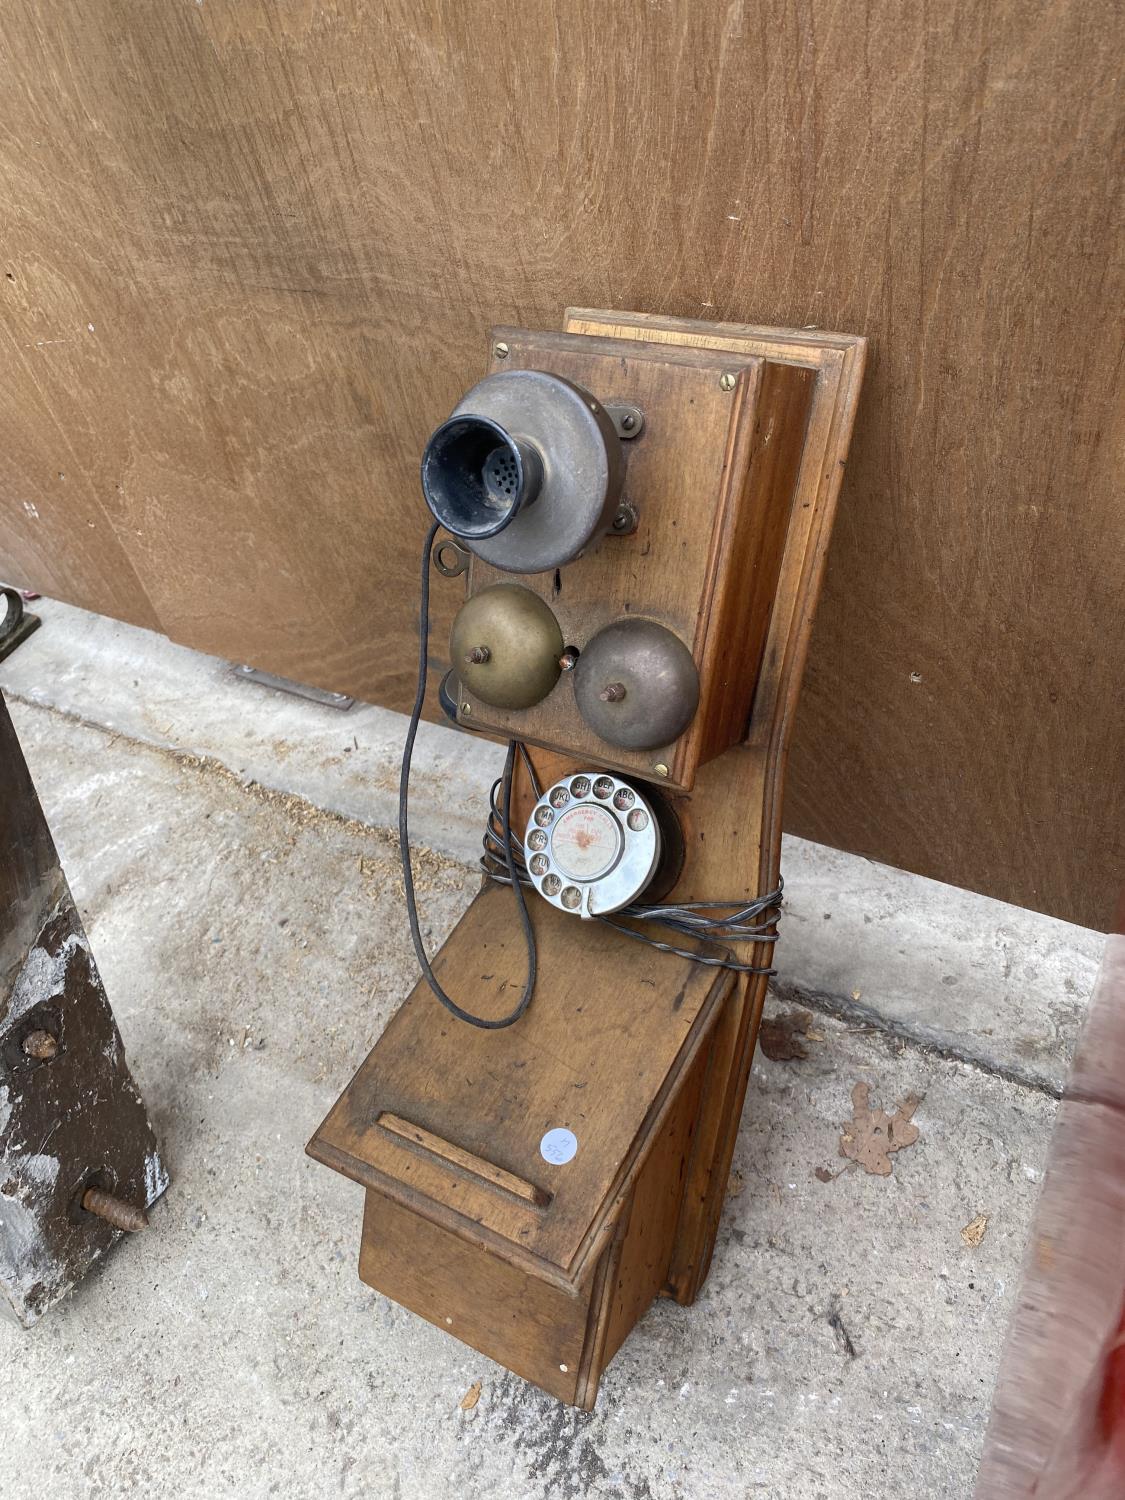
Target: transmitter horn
x,y
527,471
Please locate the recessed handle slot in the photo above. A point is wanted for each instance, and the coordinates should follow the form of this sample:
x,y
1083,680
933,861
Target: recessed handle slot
x,y
465,1161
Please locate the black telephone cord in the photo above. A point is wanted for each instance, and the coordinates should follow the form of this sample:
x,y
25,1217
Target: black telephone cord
x,y
505,839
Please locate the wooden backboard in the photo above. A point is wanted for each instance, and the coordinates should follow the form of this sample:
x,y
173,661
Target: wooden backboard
x,y
250,257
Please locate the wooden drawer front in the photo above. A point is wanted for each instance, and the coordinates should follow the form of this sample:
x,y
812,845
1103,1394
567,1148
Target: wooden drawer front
x,y
533,1328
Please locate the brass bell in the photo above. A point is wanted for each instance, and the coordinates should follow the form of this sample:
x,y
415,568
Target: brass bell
x,y
505,646
637,685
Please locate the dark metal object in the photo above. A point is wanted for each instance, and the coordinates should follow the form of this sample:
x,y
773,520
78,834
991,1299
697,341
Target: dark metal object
x,y
477,477
70,1122
629,421
613,692
114,1211
527,471
673,850
449,695
295,689
16,623
569,659
449,559
658,680
506,645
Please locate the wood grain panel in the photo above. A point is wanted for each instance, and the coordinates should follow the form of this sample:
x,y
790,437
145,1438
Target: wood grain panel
x,y
711,479
536,1329
291,225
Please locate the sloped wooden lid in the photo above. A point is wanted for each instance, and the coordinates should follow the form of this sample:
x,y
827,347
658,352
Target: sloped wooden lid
x,y
448,1119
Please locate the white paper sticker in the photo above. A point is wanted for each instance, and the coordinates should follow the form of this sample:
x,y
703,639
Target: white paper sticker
x,y
558,1146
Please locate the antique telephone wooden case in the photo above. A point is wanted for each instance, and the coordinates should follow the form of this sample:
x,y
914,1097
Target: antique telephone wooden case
x,y
532,1190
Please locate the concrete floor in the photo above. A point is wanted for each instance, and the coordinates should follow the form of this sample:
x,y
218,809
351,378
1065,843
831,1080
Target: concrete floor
x,y
231,853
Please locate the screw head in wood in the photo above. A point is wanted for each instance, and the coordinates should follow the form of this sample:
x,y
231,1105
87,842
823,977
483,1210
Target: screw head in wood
x,y
625,519
41,1045
500,351
466,708
727,381
660,768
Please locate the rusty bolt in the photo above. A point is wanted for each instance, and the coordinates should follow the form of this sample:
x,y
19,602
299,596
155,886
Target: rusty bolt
x,y
478,656
569,659
500,351
114,1211
41,1045
727,381
613,692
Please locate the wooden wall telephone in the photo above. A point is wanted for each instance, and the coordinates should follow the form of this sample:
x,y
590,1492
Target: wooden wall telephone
x,y
641,508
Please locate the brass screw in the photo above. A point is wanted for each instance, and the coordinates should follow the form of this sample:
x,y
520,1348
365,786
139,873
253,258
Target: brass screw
x,y
660,768
613,692
478,656
727,381
40,1045
500,351
114,1211
466,708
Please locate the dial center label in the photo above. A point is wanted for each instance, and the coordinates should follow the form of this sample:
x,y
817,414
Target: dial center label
x,y
586,842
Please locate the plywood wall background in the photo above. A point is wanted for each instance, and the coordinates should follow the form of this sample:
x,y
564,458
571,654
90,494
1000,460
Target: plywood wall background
x,y
251,249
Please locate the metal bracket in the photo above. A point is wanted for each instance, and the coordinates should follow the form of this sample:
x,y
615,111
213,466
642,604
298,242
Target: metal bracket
x,y
297,689
450,559
16,624
629,421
